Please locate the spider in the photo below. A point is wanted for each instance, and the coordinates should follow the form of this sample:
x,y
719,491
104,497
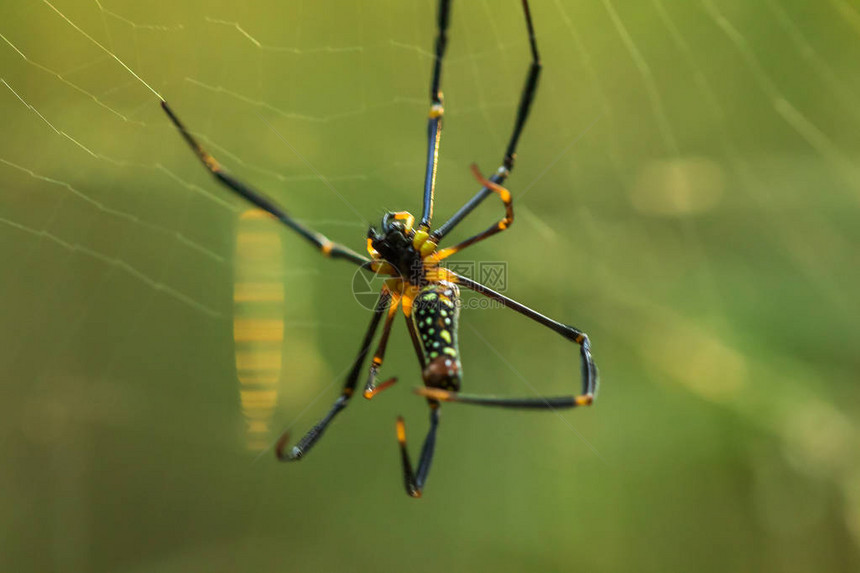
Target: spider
x,y
426,292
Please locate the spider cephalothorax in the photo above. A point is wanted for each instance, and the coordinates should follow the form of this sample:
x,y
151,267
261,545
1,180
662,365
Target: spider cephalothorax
x,y
400,250
427,294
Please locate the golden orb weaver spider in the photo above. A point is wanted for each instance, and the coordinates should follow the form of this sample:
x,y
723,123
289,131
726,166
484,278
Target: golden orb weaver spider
x,y
427,292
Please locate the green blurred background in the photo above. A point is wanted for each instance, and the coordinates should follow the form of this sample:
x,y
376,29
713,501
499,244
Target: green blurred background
x,y
686,192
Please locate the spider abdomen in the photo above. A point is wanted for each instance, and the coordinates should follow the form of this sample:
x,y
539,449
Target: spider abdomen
x,y
435,314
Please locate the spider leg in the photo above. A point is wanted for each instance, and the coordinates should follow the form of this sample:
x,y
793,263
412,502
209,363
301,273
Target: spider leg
x,y
526,99
503,223
306,443
414,481
540,403
434,124
589,370
371,388
415,342
323,243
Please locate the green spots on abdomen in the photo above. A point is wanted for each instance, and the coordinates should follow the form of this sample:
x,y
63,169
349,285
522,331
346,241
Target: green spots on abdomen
x,y
435,314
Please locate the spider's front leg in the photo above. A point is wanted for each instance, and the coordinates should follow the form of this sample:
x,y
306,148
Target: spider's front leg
x,y
526,98
325,245
434,121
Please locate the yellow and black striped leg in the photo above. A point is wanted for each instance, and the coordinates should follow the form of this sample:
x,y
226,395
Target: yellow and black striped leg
x,y
371,388
526,99
298,451
434,122
414,481
326,246
588,368
503,223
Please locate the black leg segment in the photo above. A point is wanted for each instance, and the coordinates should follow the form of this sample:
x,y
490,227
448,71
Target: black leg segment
x,y
526,99
371,388
414,481
434,123
298,451
323,243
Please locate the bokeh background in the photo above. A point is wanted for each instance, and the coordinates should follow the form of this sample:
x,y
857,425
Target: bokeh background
x,y
686,192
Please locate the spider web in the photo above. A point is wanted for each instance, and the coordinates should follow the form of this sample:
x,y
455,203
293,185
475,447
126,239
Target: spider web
x,y
685,192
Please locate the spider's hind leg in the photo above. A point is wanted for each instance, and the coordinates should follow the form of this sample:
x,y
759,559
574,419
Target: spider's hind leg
x,y
415,480
539,403
588,370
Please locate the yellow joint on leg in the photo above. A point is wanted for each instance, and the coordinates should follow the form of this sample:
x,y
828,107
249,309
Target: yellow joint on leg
x,y
327,247
370,250
373,391
444,253
394,285
495,187
434,393
436,110
419,238
584,400
436,274
408,219
422,242
401,430
208,160
427,249
383,268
